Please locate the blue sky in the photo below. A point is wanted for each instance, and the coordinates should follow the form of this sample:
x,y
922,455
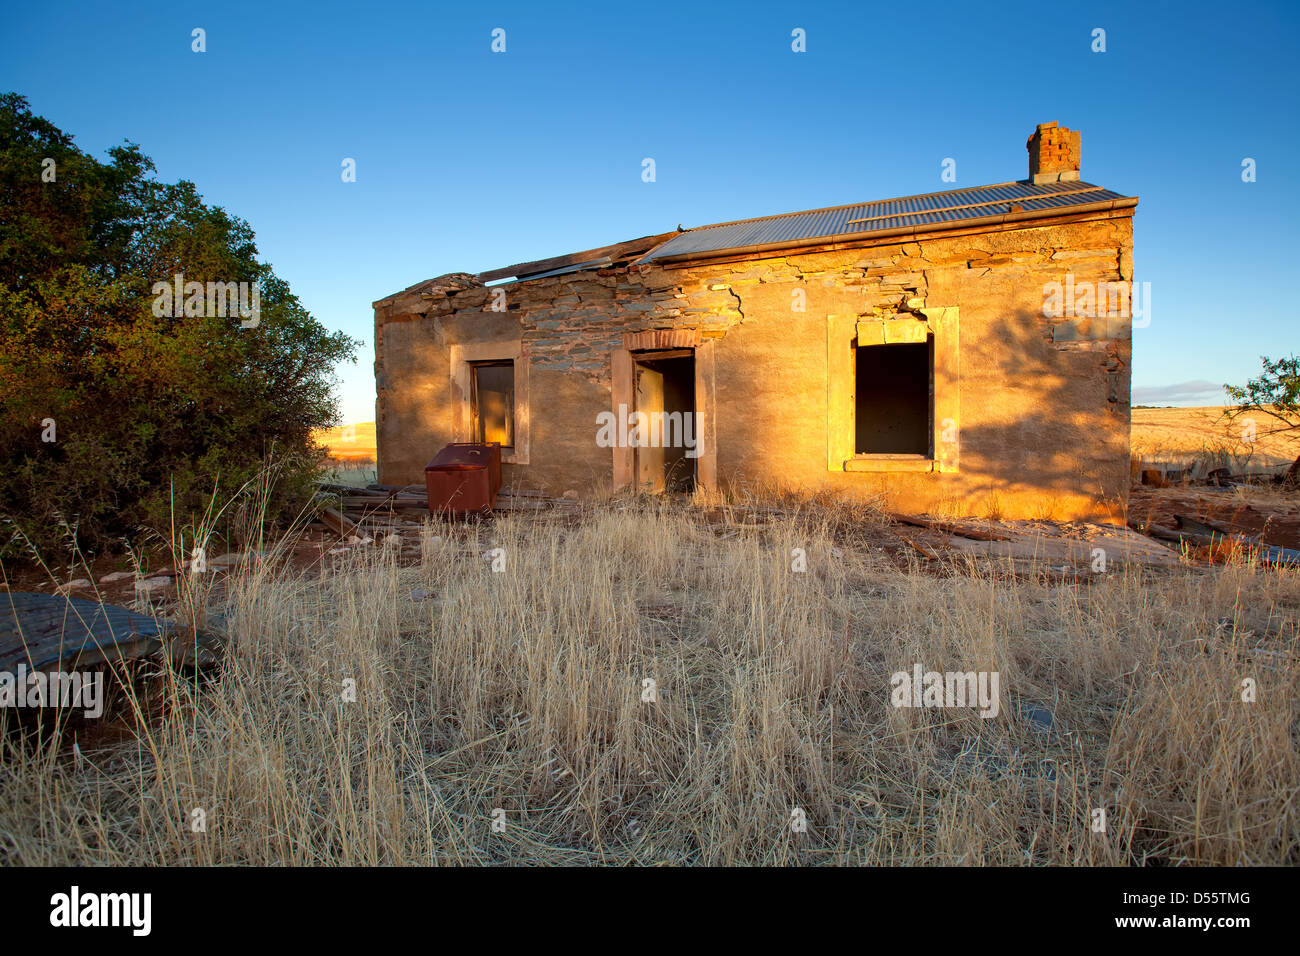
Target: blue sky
x,y
468,159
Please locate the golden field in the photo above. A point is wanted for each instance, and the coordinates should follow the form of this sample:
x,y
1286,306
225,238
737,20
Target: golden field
x,y
1172,435
350,443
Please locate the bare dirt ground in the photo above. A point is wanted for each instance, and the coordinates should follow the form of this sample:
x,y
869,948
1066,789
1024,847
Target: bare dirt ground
x,y
1042,545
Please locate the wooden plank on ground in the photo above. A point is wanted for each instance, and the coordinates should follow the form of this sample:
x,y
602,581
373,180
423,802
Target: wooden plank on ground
x,y
341,524
950,527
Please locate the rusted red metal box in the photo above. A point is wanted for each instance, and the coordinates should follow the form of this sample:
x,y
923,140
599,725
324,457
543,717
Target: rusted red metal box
x,y
464,478
475,453
458,489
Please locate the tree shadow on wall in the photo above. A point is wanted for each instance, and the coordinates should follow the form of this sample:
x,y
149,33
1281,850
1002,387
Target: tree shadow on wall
x,y
1039,418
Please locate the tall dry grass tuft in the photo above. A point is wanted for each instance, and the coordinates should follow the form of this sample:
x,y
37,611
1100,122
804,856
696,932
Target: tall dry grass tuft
x,y
524,690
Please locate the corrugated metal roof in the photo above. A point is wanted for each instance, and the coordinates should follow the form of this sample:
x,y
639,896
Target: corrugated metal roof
x,y
952,206
576,261
575,267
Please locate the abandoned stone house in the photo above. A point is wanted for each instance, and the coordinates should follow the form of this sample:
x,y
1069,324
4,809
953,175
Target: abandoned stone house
x,y
964,351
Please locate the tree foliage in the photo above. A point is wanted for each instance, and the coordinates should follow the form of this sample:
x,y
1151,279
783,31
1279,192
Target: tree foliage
x,y
1274,392
143,406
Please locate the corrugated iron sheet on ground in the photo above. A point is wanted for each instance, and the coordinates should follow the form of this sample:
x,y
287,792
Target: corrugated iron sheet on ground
x,y
53,632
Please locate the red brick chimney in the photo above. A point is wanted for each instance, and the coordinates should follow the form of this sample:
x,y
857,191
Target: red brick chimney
x,y
1054,154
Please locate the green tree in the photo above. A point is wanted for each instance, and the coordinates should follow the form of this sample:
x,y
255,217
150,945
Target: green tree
x,y
1275,393
141,403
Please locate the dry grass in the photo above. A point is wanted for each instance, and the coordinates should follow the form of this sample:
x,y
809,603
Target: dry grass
x,y
356,473
522,691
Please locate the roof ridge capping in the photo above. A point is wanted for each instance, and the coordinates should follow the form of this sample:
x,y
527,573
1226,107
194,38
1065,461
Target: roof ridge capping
x,y
795,230
874,202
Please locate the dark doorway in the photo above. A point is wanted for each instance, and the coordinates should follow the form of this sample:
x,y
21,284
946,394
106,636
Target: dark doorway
x,y
894,399
665,393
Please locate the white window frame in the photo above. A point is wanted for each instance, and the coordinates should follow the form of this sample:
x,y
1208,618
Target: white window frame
x,y
463,359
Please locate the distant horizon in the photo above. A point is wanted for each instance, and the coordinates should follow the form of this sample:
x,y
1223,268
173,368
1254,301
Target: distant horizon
x,y
1208,407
